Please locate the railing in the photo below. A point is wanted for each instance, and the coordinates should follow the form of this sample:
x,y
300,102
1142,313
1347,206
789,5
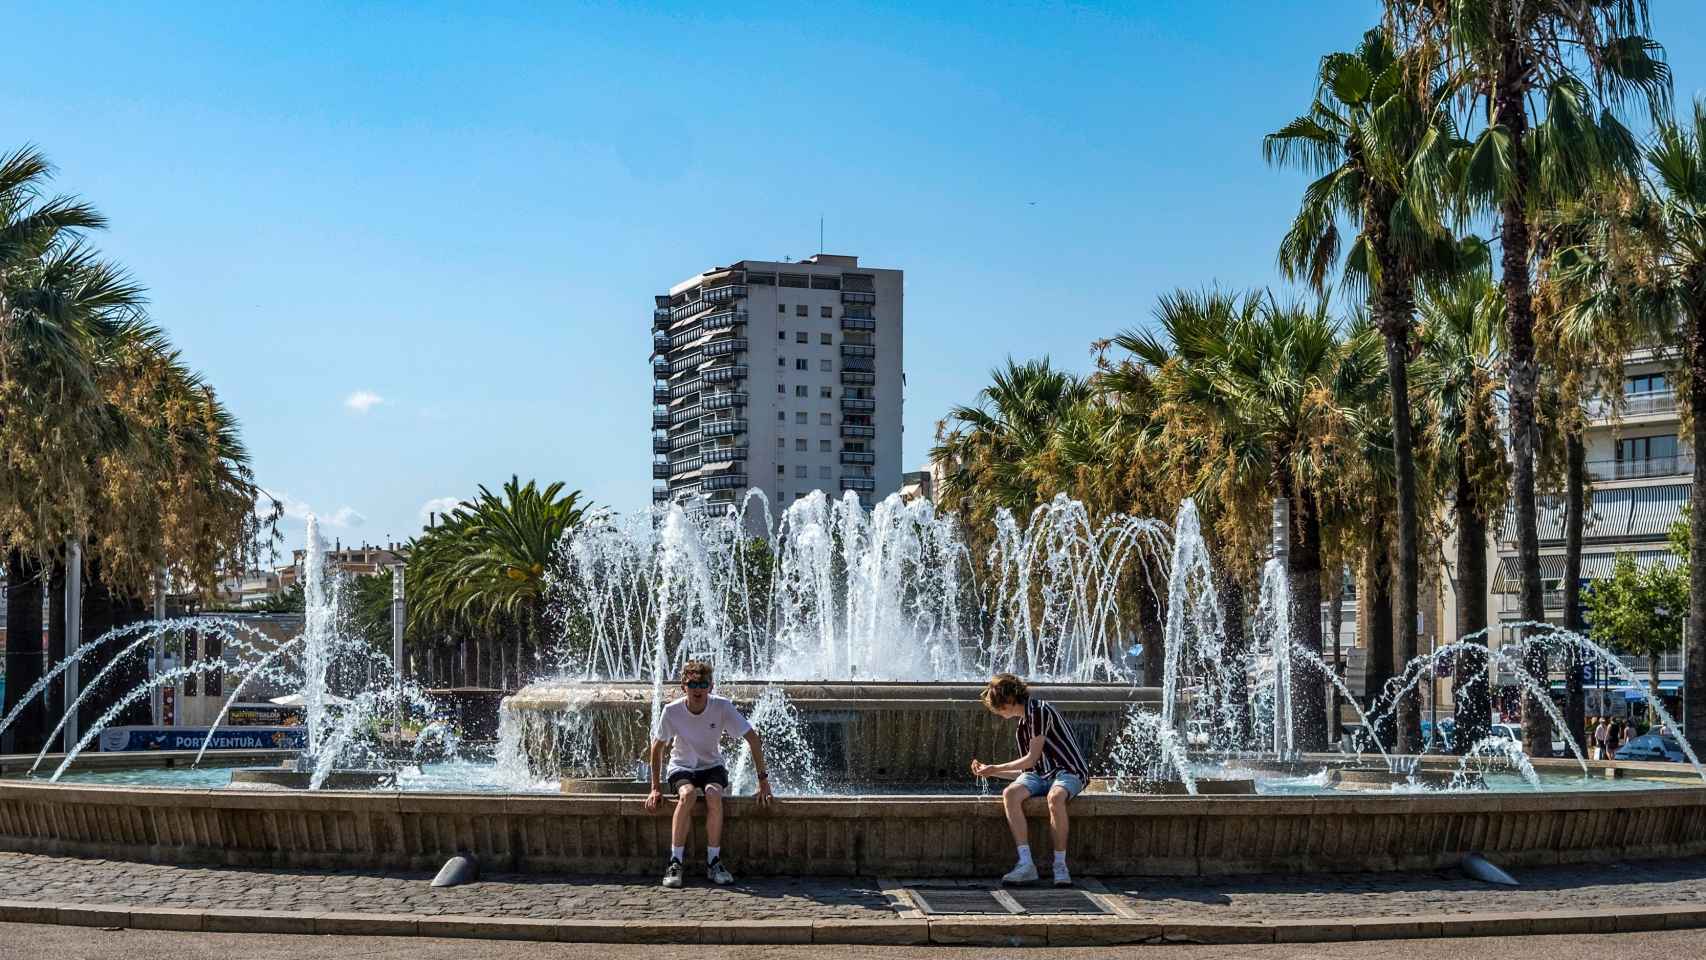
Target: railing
x,y
857,350
686,362
660,471
857,430
685,414
660,494
661,318
661,420
724,294
858,312
858,323
687,441
859,364
725,374
687,465
723,401
858,405
858,483
855,456
686,387
724,428
1636,469
722,348
678,314
1635,404
660,395
660,342
724,481
858,378
724,320
660,369
660,444
725,454
854,296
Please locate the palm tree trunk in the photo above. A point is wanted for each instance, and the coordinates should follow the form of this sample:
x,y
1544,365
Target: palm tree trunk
x,y
1230,593
1395,325
25,655
1303,567
1694,640
1653,688
1150,635
1336,612
1470,684
103,611
1375,610
1575,503
1511,110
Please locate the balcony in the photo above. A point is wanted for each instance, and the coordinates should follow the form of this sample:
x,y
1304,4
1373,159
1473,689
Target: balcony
x,y
660,444
858,378
859,364
724,481
660,369
1635,404
722,348
660,342
661,318
660,395
724,320
686,362
724,428
686,441
660,494
858,405
687,465
679,390
725,374
862,313
858,323
660,420
855,456
725,454
660,471
724,294
1640,469
686,414
678,314
857,350
724,401
855,296
857,430
864,484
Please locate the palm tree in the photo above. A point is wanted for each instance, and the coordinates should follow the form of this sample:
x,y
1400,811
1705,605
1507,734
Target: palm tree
x,y
1381,148
485,566
1458,375
1500,54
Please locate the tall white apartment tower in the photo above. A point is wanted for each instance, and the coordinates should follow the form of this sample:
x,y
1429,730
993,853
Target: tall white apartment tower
x,y
781,376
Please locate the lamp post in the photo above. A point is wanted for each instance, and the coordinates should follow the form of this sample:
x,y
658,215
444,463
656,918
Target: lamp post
x,y
73,636
397,613
159,640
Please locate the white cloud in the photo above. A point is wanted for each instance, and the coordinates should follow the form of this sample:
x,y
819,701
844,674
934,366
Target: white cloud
x,y
438,505
300,510
346,517
362,401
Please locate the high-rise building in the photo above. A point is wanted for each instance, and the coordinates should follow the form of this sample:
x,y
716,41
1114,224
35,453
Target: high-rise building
x,y
782,376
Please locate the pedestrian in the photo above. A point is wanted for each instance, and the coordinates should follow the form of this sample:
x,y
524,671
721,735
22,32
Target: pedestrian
x,y
1602,739
1628,734
692,729
1051,763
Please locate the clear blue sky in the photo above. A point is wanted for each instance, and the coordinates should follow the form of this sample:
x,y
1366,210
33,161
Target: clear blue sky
x,y
465,213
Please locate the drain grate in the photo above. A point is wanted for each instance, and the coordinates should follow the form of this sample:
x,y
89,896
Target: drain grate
x,y
1009,900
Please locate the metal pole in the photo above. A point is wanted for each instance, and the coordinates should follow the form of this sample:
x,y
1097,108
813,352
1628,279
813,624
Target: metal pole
x,y
397,611
73,636
159,640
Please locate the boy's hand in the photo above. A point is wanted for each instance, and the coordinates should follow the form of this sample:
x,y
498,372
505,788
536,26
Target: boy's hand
x,y
653,799
979,769
764,796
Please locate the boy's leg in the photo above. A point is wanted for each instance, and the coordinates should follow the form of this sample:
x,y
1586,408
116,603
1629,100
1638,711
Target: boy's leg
x,y
1013,801
1057,819
681,828
713,815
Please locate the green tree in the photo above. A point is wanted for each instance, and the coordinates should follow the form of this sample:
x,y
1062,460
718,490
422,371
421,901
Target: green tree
x,y
1640,611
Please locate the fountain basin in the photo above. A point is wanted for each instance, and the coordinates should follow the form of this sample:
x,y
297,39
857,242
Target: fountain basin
x,y
289,778
874,733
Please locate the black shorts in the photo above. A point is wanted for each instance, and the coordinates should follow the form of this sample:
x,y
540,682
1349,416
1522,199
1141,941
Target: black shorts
x,y
699,778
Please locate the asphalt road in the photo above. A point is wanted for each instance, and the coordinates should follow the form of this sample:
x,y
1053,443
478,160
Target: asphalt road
x,y
33,942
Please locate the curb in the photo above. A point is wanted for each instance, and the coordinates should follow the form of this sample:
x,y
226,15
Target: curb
x,y
896,931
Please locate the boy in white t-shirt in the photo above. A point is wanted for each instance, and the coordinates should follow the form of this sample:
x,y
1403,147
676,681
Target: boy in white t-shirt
x,y
693,728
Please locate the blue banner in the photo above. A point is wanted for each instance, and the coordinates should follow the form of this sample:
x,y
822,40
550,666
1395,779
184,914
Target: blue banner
x,y
191,738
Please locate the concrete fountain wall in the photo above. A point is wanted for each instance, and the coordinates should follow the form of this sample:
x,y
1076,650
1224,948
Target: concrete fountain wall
x,y
940,836
870,733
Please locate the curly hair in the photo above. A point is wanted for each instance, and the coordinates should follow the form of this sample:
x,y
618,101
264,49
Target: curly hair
x,y
1005,690
695,669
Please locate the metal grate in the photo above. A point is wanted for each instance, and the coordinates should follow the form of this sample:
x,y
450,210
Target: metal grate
x,y
1056,901
957,900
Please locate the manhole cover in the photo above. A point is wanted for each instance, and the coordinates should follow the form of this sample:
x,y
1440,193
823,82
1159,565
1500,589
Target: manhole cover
x,y
1056,901
957,900
1008,900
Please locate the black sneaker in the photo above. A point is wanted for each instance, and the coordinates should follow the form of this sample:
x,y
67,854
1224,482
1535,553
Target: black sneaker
x,y
672,876
718,873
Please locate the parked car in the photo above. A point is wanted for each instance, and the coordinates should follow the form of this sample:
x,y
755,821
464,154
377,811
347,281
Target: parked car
x,y
1652,746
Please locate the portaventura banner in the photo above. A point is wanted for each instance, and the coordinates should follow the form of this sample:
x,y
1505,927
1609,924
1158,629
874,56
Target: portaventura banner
x,y
114,739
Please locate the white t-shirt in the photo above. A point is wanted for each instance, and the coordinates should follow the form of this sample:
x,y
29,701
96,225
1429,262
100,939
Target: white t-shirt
x,y
698,736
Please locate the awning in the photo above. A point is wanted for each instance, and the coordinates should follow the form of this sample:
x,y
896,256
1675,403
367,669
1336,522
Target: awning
x,y
1508,579
1623,512
1595,566
1656,509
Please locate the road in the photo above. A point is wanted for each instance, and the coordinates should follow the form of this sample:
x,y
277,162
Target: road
x,y
34,942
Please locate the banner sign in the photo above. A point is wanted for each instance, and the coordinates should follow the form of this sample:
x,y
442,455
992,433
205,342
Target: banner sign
x,y
191,738
262,715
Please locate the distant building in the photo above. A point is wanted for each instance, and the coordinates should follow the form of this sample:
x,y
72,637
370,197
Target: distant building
x,y
366,560
918,485
778,375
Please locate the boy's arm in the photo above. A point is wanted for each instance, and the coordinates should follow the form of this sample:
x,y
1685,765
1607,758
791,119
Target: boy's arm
x,y
1012,768
656,762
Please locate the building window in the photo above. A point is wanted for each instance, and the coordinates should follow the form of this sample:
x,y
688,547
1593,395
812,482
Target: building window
x,y
826,312
800,444
800,363
781,416
799,390
826,338
781,471
781,442
800,336
824,419
823,472
781,361
781,308
781,334
801,310
825,393
781,388
1646,383
823,446
1647,449
825,365
799,416
801,471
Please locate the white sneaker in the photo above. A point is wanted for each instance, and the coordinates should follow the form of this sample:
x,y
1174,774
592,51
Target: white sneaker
x,y
1062,876
1023,873
718,873
672,876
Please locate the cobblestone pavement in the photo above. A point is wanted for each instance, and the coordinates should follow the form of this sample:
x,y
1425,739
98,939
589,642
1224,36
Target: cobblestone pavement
x,y
69,880
27,942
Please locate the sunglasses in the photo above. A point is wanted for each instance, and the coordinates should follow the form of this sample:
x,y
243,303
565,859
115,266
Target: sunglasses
x,y
697,684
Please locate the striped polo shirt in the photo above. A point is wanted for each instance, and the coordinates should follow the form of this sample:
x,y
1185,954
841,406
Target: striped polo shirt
x,y
1060,748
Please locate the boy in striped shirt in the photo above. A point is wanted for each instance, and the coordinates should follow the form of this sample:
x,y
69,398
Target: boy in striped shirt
x,y
1051,763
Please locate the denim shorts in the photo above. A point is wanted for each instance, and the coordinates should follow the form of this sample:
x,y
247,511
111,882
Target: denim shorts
x,y
1039,785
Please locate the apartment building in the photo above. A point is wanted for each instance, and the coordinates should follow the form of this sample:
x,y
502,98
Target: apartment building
x,y
784,376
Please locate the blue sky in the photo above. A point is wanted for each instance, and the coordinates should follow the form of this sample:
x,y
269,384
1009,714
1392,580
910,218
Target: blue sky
x,y
460,212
